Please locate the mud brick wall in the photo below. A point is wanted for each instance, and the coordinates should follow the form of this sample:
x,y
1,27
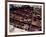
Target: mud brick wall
x,y
26,17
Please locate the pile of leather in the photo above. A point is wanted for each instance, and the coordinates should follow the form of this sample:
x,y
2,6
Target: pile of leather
x,y
25,17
